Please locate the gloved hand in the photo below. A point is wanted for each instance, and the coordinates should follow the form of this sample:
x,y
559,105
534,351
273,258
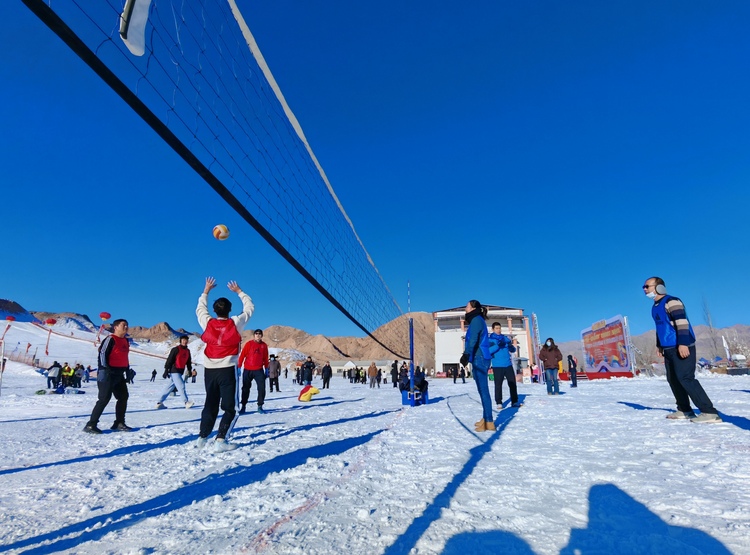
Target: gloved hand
x,y
464,359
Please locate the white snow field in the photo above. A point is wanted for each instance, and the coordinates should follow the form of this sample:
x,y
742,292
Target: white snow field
x,y
598,469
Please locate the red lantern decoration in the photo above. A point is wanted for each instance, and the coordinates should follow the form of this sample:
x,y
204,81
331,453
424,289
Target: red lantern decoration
x,y
10,318
105,315
50,321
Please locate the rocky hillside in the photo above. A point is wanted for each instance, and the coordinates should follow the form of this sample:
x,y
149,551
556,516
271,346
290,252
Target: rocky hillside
x,y
395,334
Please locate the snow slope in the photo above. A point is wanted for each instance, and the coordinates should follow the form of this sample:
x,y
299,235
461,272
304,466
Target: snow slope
x,y
595,470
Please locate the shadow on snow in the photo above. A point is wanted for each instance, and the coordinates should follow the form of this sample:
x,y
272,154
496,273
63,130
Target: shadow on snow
x,y
739,421
618,525
95,528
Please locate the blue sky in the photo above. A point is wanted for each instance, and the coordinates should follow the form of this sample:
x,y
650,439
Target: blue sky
x,y
543,155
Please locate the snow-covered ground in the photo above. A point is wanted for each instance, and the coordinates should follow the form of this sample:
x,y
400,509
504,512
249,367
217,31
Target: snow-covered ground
x,y
596,470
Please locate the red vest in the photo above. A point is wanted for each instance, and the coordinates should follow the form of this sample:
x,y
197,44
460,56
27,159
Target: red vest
x,y
183,354
118,356
221,338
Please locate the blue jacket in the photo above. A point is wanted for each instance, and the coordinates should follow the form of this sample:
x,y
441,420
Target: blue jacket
x,y
477,344
500,349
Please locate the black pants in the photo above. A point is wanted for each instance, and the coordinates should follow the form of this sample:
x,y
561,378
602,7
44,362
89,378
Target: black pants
x,y
247,381
573,378
326,383
681,378
221,388
505,373
112,384
273,382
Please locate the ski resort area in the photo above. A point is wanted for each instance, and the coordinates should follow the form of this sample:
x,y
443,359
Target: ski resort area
x,y
596,469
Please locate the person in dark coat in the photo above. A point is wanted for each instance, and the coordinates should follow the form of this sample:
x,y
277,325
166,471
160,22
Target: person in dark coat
x,y
326,374
572,370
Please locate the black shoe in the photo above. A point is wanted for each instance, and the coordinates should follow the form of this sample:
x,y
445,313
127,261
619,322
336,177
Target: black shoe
x,y
242,409
89,429
121,427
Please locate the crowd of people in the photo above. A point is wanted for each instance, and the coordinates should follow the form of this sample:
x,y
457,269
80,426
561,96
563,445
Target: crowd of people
x,y
230,370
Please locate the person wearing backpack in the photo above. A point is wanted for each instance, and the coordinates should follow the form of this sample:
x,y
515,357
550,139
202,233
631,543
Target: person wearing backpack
x,y
222,338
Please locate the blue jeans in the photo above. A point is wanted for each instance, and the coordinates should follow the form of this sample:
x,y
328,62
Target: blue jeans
x,y
177,384
550,376
483,387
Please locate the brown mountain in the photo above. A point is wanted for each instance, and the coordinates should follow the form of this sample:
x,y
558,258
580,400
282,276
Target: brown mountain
x,y
394,334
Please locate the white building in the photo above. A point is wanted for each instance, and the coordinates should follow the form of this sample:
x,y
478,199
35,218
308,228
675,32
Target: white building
x,y
450,329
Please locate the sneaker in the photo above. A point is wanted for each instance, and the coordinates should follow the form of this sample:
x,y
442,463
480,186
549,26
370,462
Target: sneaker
x,y
189,404
200,443
89,429
160,406
121,427
679,415
517,404
222,445
261,411
706,418
500,406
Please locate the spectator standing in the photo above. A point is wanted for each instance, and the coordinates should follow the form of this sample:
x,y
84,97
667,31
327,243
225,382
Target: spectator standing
x,y
372,373
222,338
551,357
274,371
477,352
394,373
572,370
111,378
153,375
501,346
53,375
253,361
462,374
178,361
675,341
327,374
307,371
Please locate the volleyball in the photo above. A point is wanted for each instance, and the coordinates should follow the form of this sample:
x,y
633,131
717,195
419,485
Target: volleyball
x,y
221,232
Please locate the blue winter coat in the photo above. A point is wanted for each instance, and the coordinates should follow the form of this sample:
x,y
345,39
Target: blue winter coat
x,y
500,349
477,343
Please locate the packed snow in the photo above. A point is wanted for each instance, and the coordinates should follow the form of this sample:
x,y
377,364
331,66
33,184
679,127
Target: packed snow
x,y
598,469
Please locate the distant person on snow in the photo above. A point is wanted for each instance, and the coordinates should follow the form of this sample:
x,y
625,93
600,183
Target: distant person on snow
x,y
111,378
551,357
274,373
222,338
327,373
307,371
178,360
675,341
372,373
501,346
53,375
253,361
573,370
394,373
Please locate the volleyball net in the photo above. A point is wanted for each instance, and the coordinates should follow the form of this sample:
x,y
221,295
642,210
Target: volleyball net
x,y
192,70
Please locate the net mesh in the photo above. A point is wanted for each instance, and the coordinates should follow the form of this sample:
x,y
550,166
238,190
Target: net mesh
x,y
199,78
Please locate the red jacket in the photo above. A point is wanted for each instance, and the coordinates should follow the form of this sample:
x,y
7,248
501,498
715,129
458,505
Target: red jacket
x,y
254,356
